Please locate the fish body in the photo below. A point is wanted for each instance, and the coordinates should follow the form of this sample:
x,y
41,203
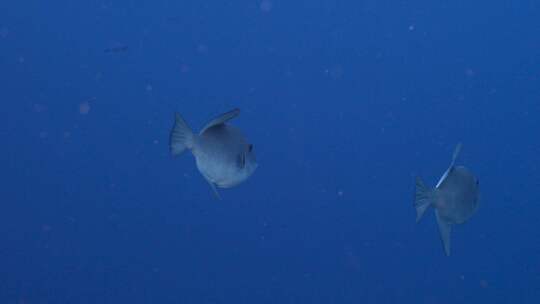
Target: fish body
x,y
455,198
222,154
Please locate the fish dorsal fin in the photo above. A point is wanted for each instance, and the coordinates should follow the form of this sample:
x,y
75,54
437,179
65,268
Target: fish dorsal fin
x,y
456,154
454,157
221,119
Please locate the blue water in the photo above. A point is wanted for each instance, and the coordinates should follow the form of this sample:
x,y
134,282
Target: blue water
x,y
345,104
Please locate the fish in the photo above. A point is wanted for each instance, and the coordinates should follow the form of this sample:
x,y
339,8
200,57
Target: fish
x,y
455,198
222,153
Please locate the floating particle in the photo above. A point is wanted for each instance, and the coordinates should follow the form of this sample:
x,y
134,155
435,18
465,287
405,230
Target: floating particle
x,y
202,49
411,27
340,193
4,32
469,72
43,134
184,68
156,141
149,88
38,108
266,6
84,108
116,48
336,71
21,59
484,284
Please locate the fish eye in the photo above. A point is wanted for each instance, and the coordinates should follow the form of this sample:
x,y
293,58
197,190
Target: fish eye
x,y
250,147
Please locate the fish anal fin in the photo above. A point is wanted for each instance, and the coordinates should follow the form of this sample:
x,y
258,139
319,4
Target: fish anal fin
x,y
214,189
445,230
221,119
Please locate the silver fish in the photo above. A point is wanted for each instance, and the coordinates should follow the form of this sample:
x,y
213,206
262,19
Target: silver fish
x,y
222,154
455,198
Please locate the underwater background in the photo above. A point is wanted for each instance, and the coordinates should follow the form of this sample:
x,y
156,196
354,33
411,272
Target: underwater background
x,y
346,102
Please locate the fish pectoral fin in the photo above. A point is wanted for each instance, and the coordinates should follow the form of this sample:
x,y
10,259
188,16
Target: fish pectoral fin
x,y
445,229
221,119
242,160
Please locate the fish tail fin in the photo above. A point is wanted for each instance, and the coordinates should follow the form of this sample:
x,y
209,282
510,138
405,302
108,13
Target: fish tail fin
x,y
444,229
181,137
423,198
